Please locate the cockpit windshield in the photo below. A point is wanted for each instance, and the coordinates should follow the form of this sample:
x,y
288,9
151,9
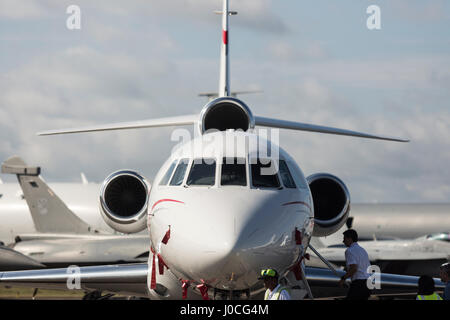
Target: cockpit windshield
x,y
285,174
233,172
168,174
203,173
178,176
264,174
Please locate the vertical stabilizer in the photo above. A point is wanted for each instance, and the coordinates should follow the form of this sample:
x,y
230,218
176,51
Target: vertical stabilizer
x,y
50,214
224,81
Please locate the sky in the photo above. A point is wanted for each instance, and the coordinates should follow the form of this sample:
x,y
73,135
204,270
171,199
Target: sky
x,y
314,61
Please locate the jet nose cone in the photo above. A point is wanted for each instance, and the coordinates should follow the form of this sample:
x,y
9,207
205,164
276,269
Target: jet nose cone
x,y
229,249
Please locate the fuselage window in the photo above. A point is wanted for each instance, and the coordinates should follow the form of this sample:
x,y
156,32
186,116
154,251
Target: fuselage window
x,y
178,176
233,172
168,174
203,173
264,175
288,181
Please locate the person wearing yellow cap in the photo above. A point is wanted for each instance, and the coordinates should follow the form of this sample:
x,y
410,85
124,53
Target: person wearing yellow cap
x,y
426,289
275,291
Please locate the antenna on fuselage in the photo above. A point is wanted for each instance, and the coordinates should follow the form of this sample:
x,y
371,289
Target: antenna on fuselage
x,y
224,81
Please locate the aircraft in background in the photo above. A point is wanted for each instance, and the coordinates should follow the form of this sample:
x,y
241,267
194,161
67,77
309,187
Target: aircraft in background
x,y
420,256
404,221
217,214
62,238
80,198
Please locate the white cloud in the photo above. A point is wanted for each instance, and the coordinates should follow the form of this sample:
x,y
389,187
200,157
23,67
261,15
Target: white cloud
x,y
287,51
419,11
29,9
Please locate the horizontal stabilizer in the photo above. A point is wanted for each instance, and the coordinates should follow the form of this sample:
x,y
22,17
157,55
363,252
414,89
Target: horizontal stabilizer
x,y
213,95
161,122
283,124
16,165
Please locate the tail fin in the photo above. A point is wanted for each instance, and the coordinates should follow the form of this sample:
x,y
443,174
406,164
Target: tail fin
x,y
224,81
49,212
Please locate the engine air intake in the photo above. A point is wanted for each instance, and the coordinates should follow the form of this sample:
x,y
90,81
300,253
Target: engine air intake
x,y
331,203
124,201
226,113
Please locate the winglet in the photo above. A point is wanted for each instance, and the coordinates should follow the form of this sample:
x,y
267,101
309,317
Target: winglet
x,y
15,165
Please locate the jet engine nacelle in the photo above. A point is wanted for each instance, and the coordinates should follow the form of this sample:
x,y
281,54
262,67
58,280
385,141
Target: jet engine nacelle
x,y
331,203
226,113
124,201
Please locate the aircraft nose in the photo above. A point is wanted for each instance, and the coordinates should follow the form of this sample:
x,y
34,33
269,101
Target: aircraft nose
x,y
229,249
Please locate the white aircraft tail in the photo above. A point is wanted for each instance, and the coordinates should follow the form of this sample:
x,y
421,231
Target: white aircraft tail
x,y
49,212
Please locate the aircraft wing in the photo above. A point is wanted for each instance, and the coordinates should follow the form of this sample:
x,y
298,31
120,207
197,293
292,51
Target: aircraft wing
x,y
396,254
325,277
293,125
127,279
150,123
13,260
131,279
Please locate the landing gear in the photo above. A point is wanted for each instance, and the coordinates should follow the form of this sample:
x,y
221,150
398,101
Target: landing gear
x,y
97,295
231,295
34,294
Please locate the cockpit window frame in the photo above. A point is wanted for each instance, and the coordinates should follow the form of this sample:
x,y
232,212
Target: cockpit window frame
x,y
193,163
168,175
277,175
247,178
188,161
289,174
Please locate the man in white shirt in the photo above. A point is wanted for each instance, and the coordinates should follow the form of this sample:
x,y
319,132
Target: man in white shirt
x,y
274,290
357,262
445,278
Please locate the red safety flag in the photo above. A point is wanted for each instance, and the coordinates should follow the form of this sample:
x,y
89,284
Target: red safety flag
x,y
297,270
153,281
161,264
298,237
203,290
166,237
185,285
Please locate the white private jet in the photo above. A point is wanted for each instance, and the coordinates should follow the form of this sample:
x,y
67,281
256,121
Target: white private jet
x,y
220,209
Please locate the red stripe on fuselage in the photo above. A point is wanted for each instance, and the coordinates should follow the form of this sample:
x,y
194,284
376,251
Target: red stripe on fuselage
x,y
165,200
297,202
